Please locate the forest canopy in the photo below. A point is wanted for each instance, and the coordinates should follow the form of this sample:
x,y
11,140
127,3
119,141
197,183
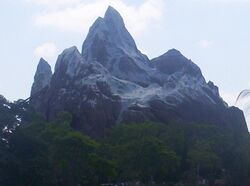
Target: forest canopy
x,y
52,153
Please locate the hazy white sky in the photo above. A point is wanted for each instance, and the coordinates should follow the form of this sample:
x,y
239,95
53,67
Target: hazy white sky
x,y
215,34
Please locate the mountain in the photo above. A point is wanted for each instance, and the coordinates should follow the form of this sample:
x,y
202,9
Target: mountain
x,y
243,102
112,82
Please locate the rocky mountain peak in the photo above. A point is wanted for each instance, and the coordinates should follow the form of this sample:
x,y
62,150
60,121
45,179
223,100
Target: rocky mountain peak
x,y
109,43
112,16
43,65
108,33
42,76
173,52
173,61
69,61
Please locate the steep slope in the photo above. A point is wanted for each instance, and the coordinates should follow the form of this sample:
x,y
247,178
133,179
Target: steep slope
x,y
112,82
243,102
110,44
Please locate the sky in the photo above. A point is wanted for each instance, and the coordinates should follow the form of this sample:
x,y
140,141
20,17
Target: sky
x,y
214,34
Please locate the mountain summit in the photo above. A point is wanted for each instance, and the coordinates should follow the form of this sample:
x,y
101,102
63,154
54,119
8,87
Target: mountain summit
x,y
112,82
109,31
112,16
110,44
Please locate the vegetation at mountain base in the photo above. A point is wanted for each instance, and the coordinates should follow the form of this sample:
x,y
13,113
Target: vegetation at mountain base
x,y
40,153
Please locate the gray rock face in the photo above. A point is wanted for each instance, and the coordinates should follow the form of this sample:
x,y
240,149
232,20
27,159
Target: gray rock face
x,y
42,77
112,82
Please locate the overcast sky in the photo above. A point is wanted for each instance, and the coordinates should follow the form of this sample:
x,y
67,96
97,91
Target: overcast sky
x,y
215,34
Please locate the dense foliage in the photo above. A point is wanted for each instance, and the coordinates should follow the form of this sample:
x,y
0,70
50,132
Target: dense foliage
x,y
41,153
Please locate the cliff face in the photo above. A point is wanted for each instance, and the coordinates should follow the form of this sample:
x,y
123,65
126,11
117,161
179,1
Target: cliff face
x,y
111,82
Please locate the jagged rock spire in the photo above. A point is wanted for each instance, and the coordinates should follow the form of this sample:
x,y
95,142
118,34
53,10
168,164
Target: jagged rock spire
x,y
106,33
42,77
113,16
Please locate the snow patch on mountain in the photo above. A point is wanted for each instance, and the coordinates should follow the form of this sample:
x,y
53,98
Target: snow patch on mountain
x,y
7,106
